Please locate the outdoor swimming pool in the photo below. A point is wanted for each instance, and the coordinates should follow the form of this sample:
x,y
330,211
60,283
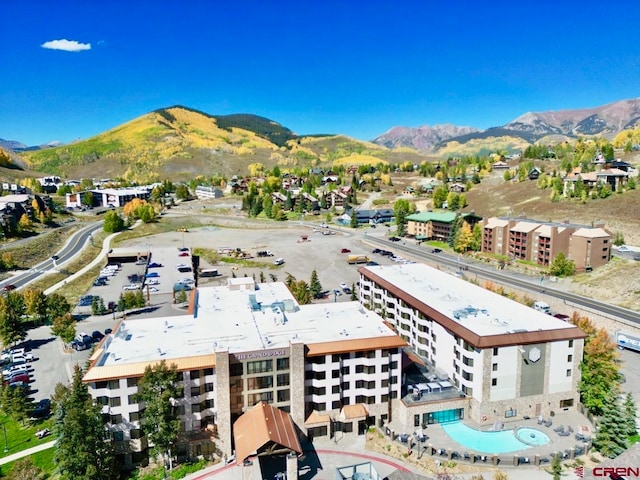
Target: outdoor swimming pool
x,y
503,441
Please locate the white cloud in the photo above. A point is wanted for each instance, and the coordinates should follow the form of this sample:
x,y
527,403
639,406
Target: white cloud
x,y
66,45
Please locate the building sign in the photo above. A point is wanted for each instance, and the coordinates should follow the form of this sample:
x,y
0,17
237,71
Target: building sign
x,y
261,354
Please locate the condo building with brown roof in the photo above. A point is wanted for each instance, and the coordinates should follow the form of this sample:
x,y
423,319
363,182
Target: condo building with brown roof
x,y
504,358
541,242
323,367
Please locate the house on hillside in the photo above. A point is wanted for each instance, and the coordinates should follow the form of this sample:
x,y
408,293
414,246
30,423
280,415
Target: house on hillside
x,y
457,187
205,192
534,173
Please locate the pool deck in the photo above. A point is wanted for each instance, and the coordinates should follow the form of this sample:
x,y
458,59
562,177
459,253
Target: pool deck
x,y
441,445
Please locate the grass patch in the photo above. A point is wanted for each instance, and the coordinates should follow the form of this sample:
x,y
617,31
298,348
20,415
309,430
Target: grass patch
x,y
42,459
40,248
633,439
153,228
19,436
380,201
247,263
158,473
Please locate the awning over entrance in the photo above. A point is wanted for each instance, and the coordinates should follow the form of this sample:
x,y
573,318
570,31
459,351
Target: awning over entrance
x,y
421,237
317,419
264,429
353,412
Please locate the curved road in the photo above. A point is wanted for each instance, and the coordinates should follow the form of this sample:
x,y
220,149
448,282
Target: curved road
x,y
511,279
73,247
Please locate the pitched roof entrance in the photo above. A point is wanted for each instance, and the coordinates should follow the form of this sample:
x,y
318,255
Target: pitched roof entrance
x,y
265,430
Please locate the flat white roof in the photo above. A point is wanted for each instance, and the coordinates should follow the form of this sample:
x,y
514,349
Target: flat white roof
x,y
240,320
479,310
122,191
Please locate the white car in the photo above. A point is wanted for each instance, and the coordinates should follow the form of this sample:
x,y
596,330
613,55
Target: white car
x,y
153,282
153,289
343,285
187,281
131,286
27,357
14,369
623,248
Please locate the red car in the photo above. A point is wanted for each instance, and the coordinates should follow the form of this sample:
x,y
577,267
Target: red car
x,y
9,287
183,254
17,378
345,250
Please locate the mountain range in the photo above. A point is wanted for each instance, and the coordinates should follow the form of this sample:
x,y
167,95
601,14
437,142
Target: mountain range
x,y
606,120
180,142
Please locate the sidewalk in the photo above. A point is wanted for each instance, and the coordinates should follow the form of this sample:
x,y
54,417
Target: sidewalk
x,y
27,452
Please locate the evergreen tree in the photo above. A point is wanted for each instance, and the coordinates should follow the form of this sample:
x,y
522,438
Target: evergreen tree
x,y
456,225
562,266
630,414
81,451
611,435
353,223
288,203
315,288
300,290
159,391
15,402
556,467
354,295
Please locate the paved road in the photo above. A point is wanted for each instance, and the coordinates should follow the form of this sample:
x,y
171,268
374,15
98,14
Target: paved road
x,y
73,247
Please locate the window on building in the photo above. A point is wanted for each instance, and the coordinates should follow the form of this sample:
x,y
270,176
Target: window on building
x,y
467,361
494,367
131,400
335,373
101,384
335,389
282,364
569,358
416,420
258,383
179,376
114,402
209,403
283,395
568,372
345,370
104,400
115,419
494,382
208,387
344,386
336,404
132,382
195,391
570,343
193,374
283,379
467,376
180,410
260,366
495,351
208,371
135,433
236,370
114,384
118,435
196,407
134,416
566,403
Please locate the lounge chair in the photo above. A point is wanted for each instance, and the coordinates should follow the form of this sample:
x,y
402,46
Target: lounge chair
x,y
466,456
570,429
559,429
548,423
564,434
540,420
455,454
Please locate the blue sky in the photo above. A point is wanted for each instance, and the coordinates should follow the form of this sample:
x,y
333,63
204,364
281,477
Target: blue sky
x,y
357,68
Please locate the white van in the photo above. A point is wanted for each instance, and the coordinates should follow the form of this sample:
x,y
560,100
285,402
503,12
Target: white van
x,y
278,261
542,307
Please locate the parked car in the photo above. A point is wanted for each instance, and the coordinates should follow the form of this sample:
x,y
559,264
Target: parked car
x,y
19,377
372,264
79,346
99,283
26,356
183,254
345,250
183,249
85,301
15,370
337,292
42,409
19,384
107,331
131,286
623,248
177,287
347,291
562,316
154,265
343,285
9,287
152,275
154,289
153,282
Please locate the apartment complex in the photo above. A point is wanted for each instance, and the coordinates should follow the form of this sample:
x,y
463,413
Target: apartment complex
x,y
436,225
503,358
540,242
247,348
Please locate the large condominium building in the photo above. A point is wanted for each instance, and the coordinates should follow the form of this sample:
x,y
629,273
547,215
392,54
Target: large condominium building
x,y
247,349
505,358
541,242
